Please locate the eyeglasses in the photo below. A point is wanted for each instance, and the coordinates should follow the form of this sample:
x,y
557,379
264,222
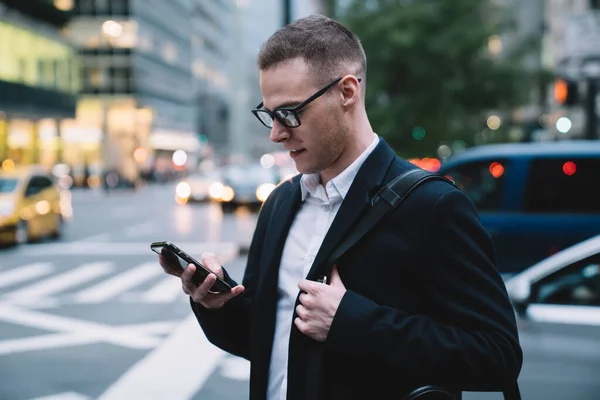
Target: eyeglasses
x,y
288,117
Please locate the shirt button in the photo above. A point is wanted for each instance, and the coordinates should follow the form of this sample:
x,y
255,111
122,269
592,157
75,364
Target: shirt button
x,y
325,208
310,259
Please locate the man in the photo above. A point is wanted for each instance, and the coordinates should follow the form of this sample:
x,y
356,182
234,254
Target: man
x,y
417,301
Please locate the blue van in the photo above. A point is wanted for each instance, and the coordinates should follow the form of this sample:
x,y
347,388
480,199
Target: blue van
x,y
533,198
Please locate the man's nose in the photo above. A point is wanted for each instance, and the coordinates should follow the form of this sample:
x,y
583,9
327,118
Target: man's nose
x,y
279,133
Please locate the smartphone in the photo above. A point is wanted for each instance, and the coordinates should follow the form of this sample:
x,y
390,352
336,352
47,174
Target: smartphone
x,y
178,257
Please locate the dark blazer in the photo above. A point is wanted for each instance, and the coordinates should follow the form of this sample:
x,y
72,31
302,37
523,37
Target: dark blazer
x,y
425,303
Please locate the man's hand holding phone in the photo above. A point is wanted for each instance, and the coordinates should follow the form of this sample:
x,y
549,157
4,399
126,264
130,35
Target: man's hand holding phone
x,y
201,293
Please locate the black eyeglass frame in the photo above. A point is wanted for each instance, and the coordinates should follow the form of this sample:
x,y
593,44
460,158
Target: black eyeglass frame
x,y
294,110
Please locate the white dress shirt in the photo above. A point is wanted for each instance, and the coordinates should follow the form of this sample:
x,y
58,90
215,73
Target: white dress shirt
x,y
302,244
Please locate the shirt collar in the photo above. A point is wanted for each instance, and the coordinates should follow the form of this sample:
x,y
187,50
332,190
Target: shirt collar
x,y
309,183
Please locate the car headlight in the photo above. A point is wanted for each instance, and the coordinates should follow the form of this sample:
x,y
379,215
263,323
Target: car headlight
x,y
264,190
228,194
183,190
215,190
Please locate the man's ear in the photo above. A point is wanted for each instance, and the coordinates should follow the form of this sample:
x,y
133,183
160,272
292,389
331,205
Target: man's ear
x,y
350,91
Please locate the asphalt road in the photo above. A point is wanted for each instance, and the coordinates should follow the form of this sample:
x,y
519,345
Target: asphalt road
x,y
92,316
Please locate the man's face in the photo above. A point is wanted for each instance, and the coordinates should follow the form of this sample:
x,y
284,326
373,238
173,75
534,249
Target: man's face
x,y
323,133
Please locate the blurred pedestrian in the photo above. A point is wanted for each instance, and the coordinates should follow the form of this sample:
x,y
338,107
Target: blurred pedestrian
x,y
417,301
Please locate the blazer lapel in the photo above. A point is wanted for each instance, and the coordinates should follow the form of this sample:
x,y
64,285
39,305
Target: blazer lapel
x,y
282,216
369,177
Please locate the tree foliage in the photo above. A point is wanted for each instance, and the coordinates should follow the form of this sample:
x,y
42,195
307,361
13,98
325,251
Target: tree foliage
x,y
430,71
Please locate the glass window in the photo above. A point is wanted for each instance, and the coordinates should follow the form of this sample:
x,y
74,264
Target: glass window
x,y
482,181
576,284
95,77
8,185
37,184
32,59
562,185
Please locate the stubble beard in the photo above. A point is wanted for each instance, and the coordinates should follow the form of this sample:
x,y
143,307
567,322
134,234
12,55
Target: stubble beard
x,y
332,144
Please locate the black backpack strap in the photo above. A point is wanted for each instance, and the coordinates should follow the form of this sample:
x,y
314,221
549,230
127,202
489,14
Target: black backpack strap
x,y
384,201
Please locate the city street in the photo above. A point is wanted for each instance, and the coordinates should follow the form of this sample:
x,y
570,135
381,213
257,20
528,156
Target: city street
x,y
92,316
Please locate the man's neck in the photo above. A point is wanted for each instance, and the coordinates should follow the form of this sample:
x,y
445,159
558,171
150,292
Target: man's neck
x,y
348,156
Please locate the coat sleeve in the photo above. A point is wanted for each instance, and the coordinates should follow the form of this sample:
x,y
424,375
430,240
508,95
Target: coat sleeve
x,y
471,337
229,327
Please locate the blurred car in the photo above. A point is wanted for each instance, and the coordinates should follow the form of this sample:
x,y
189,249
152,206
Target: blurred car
x,y
557,304
32,206
566,283
244,184
533,198
196,186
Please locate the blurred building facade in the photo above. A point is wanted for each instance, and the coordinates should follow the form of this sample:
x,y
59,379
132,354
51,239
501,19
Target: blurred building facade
x,y
211,52
549,20
556,58
524,32
39,81
137,103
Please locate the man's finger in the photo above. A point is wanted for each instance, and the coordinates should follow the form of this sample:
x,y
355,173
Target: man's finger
x,y
214,299
308,286
187,274
226,296
208,283
301,325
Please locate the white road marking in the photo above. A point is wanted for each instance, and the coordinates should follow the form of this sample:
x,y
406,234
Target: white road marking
x,y
167,290
186,354
51,341
66,280
38,303
24,273
70,339
235,368
112,287
134,339
64,396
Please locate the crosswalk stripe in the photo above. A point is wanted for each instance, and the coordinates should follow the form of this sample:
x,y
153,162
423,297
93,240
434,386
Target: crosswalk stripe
x,y
165,291
119,284
179,352
24,273
66,280
64,396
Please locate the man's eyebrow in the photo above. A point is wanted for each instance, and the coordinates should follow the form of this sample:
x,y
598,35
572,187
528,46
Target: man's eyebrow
x,y
287,104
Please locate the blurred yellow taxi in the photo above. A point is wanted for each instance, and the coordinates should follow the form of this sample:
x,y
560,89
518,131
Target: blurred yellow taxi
x,y
32,205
